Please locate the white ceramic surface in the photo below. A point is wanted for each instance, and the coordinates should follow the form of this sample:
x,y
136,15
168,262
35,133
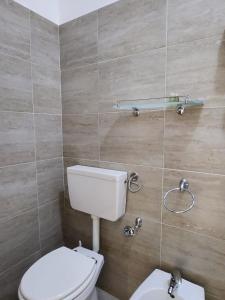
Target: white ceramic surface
x,y
155,287
96,191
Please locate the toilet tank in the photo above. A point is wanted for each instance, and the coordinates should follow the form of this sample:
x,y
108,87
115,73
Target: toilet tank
x,y
96,191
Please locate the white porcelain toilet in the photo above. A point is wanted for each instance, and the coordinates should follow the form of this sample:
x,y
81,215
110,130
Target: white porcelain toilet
x,y
69,274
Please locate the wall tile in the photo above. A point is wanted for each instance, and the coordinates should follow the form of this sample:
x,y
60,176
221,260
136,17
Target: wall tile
x,y
44,42
80,90
20,236
77,226
211,297
10,280
16,138
80,135
131,26
15,84
14,30
50,225
138,256
147,202
195,141
193,20
198,69
208,213
17,189
46,90
48,130
197,256
127,139
133,77
78,41
50,180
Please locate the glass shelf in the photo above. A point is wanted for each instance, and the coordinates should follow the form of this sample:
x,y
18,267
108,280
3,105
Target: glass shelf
x,y
177,102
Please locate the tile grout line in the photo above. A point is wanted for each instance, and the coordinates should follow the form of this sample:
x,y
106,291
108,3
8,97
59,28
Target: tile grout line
x,y
195,232
31,162
35,141
140,52
28,61
29,112
97,37
142,165
19,262
164,127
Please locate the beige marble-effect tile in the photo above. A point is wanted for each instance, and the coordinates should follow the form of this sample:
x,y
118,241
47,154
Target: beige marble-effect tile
x,y
198,69
147,202
209,211
128,261
80,90
199,258
14,30
195,141
15,84
46,90
19,238
50,180
48,130
130,26
50,224
80,135
16,138
44,42
211,297
77,226
10,280
133,77
78,41
17,189
193,20
127,139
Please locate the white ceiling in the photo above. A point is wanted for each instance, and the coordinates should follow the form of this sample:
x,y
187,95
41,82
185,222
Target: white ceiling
x,y
62,11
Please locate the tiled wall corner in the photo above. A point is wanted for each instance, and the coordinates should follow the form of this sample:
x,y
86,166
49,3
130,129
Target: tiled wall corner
x,y
31,142
137,49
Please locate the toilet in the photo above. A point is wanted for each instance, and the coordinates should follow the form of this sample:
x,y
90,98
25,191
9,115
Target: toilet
x,y
69,274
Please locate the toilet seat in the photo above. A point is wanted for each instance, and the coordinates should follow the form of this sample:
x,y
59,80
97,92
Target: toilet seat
x,y
58,275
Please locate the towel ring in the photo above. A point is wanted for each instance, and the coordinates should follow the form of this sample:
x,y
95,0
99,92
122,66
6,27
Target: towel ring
x,y
183,187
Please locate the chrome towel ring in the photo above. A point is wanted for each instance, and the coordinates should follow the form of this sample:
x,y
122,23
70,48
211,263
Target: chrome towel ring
x,y
133,185
183,187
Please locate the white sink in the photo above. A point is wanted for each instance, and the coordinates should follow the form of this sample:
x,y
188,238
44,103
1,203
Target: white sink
x,y
155,287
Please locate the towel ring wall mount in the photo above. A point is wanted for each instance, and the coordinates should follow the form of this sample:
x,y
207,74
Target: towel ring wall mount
x,y
183,187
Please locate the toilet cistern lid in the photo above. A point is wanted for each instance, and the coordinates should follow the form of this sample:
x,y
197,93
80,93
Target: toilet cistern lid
x,y
56,275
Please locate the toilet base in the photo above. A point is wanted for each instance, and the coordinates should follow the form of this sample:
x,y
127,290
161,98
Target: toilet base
x,y
93,295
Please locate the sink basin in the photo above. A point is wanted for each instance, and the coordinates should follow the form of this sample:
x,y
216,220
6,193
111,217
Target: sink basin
x,y
155,287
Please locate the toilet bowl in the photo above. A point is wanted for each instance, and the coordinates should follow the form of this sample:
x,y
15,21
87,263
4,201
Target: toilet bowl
x,y
63,274
66,274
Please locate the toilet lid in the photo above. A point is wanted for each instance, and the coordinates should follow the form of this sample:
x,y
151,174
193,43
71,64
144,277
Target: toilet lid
x,y
56,275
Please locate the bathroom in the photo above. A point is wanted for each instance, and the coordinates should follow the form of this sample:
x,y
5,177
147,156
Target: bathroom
x,y
66,68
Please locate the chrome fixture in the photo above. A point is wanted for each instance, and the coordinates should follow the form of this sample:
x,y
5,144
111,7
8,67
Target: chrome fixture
x,y
133,185
133,230
175,282
183,187
136,111
180,109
